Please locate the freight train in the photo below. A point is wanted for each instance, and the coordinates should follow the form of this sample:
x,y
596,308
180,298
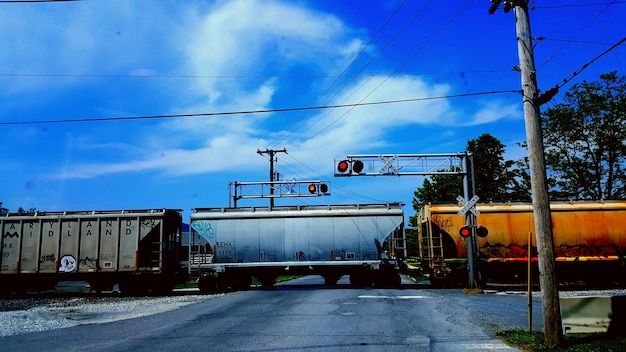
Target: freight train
x,y
326,240
589,242
137,250
142,250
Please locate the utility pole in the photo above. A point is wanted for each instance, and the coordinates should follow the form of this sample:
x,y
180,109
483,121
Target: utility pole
x,y
271,153
538,179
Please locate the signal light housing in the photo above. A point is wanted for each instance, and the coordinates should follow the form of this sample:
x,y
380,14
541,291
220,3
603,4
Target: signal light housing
x,y
481,231
357,166
349,167
318,188
465,231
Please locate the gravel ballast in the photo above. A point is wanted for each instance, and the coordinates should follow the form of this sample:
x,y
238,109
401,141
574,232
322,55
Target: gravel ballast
x,y
20,316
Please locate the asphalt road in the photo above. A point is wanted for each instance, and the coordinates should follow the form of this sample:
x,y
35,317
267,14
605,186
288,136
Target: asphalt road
x,y
303,317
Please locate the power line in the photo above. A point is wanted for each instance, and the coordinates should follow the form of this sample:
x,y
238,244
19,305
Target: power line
x,y
27,1
577,5
300,120
550,93
405,62
577,33
573,41
249,112
270,76
396,70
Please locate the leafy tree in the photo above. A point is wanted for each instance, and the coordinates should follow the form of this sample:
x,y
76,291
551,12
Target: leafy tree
x,y
585,140
442,189
519,180
490,170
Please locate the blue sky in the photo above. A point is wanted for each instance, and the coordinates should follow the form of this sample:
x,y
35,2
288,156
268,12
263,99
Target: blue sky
x,y
131,58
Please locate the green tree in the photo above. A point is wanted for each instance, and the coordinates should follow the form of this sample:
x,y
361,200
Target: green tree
x,y
442,189
585,140
490,170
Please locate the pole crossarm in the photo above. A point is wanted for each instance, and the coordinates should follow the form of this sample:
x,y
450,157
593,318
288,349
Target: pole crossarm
x,y
279,189
401,164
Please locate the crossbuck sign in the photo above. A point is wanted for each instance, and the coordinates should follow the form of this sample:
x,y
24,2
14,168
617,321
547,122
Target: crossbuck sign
x,y
469,205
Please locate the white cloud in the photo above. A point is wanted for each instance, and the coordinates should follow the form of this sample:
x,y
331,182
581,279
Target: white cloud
x,y
248,37
496,110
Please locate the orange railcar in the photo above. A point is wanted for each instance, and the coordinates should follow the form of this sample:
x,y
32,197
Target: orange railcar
x,y
589,240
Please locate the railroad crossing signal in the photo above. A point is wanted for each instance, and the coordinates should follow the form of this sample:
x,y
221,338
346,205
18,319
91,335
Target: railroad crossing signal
x,y
465,231
278,189
469,205
458,164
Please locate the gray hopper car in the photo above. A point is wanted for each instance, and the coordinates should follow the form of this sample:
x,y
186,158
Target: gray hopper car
x,y
230,245
136,249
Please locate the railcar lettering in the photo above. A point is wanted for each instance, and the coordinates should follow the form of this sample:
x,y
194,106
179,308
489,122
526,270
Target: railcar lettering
x,y
224,244
7,245
11,235
225,253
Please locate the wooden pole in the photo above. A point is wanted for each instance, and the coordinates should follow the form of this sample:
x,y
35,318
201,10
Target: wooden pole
x,y
541,204
271,153
530,282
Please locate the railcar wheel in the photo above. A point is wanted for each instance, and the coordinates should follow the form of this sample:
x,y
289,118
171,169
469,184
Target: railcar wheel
x,y
361,279
242,282
266,281
331,279
207,284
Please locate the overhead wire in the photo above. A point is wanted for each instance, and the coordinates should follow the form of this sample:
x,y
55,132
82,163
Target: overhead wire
x,y
577,33
299,121
389,42
577,5
555,89
248,112
27,1
404,63
95,75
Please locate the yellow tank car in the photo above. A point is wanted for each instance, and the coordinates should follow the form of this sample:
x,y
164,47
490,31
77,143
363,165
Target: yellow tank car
x,y
589,241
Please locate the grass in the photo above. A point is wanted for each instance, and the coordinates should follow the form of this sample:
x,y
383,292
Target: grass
x,y
534,341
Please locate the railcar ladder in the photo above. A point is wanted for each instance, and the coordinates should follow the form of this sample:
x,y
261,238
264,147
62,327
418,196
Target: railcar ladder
x,y
399,244
432,246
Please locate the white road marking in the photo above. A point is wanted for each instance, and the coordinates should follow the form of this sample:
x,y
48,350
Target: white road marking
x,y
391,297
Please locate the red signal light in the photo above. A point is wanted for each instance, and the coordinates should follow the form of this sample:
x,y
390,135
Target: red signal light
x,y
312,188
343,166
465,231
